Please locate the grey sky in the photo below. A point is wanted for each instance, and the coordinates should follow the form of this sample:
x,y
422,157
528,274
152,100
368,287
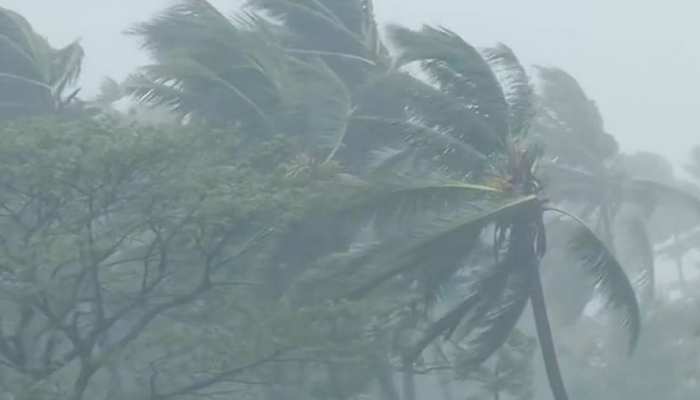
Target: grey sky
x,y
637,59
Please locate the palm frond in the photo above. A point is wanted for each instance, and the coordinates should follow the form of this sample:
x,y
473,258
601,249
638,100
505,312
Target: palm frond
x,y
636,190
458,69
484,287
347,25
188,24
158,84
418,226
483,336
576,118
456,154
608,276
323,105
227,70
27,48
32,74
441,110
515,81
563,284
438,249
149,89
642,251
66,67
16,58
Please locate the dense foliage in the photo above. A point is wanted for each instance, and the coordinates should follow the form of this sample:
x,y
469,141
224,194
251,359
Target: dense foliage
x,y
297,206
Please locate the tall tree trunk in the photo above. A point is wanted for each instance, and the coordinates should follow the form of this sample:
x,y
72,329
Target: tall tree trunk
x,y
444,379
544,335
115,389
276,390
496,391
385,377
409,381
681,273
679,264
445,387
608,234
81,384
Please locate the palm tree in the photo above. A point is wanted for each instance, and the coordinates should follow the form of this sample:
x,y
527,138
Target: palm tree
x,y
428,223
450,159
316,70
611,189
254,72
34,77
676,248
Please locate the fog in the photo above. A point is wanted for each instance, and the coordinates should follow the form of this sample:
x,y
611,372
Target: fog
x,y
349,200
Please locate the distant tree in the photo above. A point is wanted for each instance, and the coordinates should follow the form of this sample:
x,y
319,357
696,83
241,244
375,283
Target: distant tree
x,y
621,195
666,365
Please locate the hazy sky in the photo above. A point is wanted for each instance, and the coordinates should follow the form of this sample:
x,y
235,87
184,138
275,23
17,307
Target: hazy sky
x,y
638,59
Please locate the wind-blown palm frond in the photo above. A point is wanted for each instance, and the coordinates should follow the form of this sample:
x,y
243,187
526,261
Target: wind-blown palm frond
x,y
418,226
570,121
419,135
158,83
458,69
563,284
497,296
237,71
344,32
485,335
642,257
66,67
519,94
440,110
609,277
235,76
33,75
324,104
645,191
454,235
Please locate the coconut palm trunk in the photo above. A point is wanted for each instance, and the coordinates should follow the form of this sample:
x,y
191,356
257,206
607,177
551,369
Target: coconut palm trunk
x,y
544,336
522,238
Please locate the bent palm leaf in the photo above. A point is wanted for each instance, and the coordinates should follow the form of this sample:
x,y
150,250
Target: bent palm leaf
x,y
33,75
433,226
343,32
641,255
609,277
458,69
516,86
237,76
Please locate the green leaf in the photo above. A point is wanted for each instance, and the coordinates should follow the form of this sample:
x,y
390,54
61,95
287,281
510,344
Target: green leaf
x,y
609,277
518,91
458,69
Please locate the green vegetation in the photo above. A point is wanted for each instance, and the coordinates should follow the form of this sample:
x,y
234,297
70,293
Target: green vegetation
x,y
299,207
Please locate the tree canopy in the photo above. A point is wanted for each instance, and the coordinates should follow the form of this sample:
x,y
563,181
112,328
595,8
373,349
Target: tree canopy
x,y
299,206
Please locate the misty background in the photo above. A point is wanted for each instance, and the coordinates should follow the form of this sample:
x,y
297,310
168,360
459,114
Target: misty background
x,y
636,59
251,213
